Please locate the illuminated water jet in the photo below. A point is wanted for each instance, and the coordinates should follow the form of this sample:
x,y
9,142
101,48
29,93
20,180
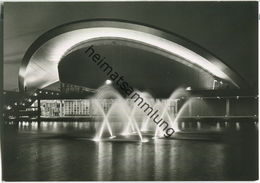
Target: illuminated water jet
x,y
122,119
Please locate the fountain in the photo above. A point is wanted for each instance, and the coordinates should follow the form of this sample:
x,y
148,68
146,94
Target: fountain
x,y
119,109
134,121
123,120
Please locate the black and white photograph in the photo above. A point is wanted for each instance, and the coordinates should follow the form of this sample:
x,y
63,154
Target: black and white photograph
x,y
129,91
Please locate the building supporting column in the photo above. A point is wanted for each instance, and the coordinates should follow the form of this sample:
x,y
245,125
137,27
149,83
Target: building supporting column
x,y
61,108
190,109
176,108
39,109
227,107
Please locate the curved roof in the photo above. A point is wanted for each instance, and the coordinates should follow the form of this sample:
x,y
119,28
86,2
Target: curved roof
x,y
40,64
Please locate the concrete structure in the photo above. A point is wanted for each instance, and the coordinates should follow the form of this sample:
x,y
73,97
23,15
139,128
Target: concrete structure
x,y
40,63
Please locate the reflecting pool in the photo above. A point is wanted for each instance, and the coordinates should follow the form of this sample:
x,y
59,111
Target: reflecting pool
x,y
66,151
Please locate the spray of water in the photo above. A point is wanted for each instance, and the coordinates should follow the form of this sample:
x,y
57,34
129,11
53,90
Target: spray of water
x,y
133,120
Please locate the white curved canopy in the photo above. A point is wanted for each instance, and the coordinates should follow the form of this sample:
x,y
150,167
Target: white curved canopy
x,y
41,67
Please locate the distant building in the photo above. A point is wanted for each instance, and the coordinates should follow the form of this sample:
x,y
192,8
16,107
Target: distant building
x,y
84,107
70,88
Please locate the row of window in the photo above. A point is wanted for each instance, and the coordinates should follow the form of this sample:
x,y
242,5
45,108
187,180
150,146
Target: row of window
x,y
50,108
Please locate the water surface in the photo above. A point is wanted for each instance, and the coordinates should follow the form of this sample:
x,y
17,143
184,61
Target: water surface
x,y
62,151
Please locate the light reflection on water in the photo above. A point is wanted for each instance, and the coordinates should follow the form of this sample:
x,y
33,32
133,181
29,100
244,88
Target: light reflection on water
x,y
49,151
104,164
60,126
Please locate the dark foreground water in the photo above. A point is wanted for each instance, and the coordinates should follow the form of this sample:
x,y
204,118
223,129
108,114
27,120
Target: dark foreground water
x,y
64,151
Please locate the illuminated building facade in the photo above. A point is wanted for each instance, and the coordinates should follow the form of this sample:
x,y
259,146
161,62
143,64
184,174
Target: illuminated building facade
x,y
84,107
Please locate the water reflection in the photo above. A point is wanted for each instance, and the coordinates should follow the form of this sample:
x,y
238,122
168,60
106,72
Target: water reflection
x,y
158,158
57,127
53,151
198,125
237,126
104,161
218,126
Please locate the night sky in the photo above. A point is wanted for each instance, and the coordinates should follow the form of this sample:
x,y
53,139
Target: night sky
x,y
227,29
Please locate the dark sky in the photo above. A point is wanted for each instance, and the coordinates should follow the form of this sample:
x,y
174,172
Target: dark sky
x,y
227,29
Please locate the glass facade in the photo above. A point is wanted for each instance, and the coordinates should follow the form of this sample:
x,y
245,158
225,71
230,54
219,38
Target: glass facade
x,y
85,107
51,108
198,107
75,107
